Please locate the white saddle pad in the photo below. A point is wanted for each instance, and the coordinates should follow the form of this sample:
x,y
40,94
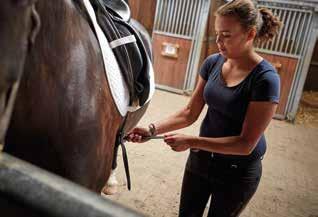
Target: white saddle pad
x,y
114,76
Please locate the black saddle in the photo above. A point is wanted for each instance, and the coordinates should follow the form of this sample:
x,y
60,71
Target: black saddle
x,y
129,48
120,7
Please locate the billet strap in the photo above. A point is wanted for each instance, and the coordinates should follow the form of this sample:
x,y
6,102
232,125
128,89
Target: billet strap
x,y
125,159
122,41
120,141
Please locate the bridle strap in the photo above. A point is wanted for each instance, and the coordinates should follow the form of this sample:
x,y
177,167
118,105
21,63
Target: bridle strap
x,y
36,25
6,116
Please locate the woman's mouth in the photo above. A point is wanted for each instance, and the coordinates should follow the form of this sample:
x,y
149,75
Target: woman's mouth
x,y
222,49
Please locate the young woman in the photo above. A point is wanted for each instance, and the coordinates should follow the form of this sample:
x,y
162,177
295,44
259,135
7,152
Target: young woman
x,y
241,90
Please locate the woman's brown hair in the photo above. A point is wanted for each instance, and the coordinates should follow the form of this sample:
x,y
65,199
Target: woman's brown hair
x,y
267,25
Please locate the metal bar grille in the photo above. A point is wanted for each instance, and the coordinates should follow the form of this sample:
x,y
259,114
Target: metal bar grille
x,y
291,38
178,17
186,17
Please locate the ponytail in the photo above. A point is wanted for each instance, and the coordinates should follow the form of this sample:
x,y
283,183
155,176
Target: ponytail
x,y
269,27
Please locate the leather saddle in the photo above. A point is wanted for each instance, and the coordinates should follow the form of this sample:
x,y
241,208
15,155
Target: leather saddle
x,y
128,45
120,7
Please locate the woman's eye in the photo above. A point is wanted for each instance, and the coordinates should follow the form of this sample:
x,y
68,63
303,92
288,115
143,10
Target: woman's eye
x,y
224,35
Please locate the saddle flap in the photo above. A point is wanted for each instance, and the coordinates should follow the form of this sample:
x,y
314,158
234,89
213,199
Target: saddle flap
x,y
130,54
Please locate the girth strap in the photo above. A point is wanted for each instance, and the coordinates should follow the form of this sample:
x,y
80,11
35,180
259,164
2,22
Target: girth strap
x,y
120,141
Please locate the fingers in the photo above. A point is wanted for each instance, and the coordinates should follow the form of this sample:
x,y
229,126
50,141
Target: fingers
x,y
170,138
179,148
137,135
170,135
177,142
139,130
169,141
134,137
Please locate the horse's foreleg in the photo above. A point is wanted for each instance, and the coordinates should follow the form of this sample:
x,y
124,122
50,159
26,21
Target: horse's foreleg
x,y
111,186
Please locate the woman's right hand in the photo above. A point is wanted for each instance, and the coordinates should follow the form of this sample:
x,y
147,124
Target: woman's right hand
x,y
138,134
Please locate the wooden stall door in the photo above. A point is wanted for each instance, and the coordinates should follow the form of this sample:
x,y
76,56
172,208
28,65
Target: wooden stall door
x,y
286,68
170,71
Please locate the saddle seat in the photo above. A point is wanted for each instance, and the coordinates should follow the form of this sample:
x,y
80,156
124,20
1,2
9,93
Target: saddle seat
x,y
120,7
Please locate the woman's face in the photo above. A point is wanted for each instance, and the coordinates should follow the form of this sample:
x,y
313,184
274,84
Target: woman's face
x,y
231,38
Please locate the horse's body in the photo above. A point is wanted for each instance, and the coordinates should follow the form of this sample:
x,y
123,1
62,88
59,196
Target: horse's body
x,y
65,119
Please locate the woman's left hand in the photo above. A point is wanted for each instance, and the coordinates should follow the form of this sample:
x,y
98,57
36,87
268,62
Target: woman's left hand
x,y
178,142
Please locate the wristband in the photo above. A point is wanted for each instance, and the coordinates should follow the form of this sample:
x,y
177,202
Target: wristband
x,y
152,129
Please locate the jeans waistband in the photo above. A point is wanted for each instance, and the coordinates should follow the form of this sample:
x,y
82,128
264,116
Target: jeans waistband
x,y
233,163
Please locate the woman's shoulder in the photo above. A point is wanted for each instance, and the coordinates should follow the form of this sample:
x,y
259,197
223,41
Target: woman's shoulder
x,y
212,59
265,83
266,65
266,70
208,64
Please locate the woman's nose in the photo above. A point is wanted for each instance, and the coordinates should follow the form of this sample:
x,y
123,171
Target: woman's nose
x,y
217,40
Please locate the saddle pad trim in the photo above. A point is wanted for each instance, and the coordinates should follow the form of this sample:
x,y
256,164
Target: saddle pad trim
x,y
114,76
122,41
117,85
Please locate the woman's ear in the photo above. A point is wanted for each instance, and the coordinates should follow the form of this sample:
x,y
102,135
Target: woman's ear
x,y
251,34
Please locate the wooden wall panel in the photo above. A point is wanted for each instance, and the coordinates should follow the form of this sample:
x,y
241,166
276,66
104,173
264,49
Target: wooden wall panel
x,y
286,67
144,12
170,71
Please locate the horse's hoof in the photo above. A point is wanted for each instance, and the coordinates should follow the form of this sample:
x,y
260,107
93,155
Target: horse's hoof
x,y
109,190
111,186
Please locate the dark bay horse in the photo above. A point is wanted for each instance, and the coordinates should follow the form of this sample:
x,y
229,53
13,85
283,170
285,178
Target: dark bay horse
x,y
65,119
